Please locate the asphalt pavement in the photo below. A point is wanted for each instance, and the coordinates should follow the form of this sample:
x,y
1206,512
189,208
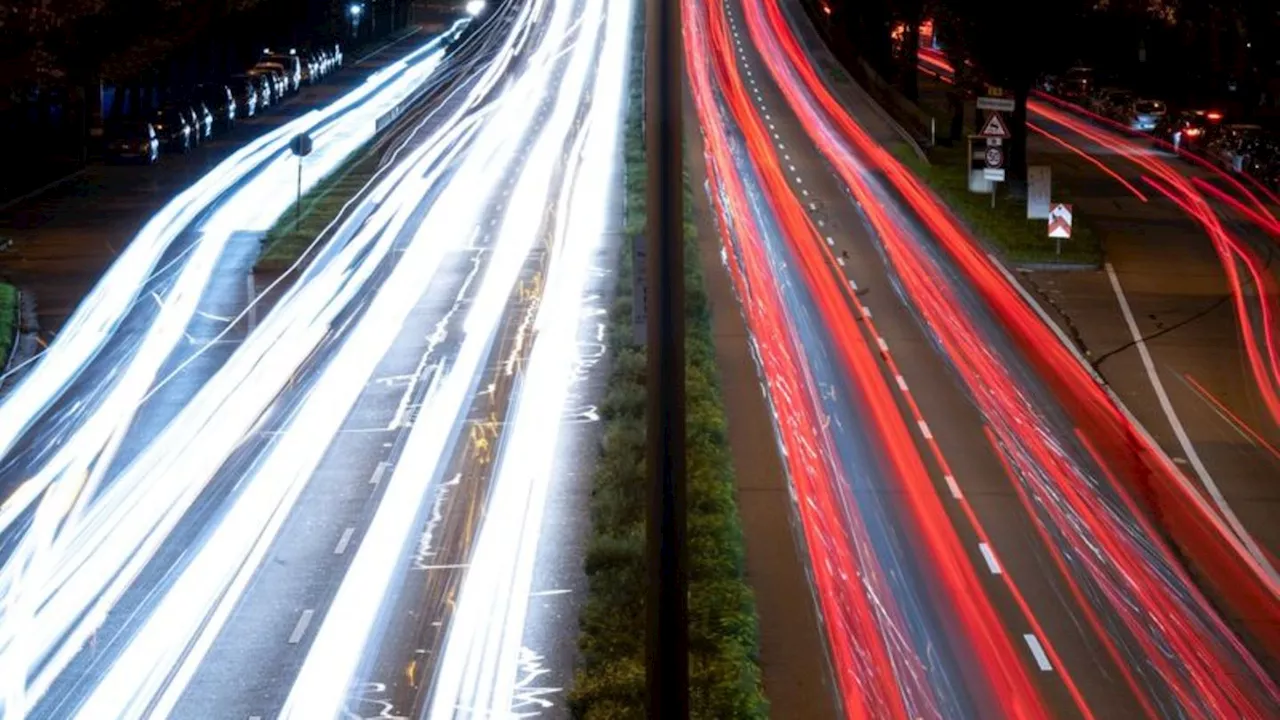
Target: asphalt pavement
x,y
1005,421
790,672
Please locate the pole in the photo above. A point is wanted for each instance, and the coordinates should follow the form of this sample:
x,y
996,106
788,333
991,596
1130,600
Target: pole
x,y
667,639
297,203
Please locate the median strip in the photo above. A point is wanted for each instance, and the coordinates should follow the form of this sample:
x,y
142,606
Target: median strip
x,y
725,679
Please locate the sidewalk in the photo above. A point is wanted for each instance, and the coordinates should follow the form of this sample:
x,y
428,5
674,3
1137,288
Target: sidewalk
x,y
65,237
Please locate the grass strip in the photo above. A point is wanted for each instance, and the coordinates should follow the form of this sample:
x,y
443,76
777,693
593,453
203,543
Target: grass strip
x,y
292,233
725,679
8,321
1005,226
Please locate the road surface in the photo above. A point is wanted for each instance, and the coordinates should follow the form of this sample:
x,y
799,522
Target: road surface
x,y
965,489
423,389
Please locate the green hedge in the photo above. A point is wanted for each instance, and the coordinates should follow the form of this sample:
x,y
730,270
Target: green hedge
x,y
1006,225
292,234
723,626
8,321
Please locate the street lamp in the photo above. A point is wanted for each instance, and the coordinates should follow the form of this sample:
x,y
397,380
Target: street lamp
x,y
475,7
355,10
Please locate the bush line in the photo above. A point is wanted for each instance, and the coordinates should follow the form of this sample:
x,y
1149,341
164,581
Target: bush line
x,y
8,321
725,679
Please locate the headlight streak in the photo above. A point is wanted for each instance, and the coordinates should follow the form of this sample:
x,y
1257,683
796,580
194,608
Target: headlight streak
x,y
321,686
478,663
48,613
97,315
85,456
1113,548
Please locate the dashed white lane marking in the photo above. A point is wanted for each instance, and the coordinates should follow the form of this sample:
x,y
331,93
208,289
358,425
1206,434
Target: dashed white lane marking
x,y
1042,660
924,429
343,541
378,472
830,241
255,717
301,628
548,593
853,284
866,311
805,193
799,179
841,261
953,487
902,382
884,346
813,206
989,555
792,168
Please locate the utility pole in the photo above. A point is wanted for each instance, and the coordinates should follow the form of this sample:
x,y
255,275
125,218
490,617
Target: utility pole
x,y
667,602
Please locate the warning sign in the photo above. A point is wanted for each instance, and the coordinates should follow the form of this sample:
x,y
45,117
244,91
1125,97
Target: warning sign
x,y
995,127
1060,221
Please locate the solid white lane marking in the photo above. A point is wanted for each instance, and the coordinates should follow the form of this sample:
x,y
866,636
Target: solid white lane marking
x,y
989,555
301,628
1042,660
456,566
343,541
884,346
902,382
924,429
378,472
1181,433
953,487
251,295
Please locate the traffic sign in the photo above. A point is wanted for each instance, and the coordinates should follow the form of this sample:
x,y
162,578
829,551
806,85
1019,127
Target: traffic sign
x,y
998,104
995,127
1039,182
1060,221
301,144
995,157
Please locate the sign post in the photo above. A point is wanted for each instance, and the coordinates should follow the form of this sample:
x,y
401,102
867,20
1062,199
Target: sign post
x,y
1059,224
1039,184
301,147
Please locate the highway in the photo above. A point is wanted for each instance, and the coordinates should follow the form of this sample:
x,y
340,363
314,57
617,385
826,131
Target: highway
x,y
987,532
380,445
1181,322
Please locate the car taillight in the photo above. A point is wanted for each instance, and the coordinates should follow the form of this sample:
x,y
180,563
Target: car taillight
x,y
1193,132
1214,115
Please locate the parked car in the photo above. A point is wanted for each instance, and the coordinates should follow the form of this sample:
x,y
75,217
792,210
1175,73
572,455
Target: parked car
x,y
204,118
289,65
266,89
1186,129
1111,102
1233,146
1076,84
245,91
173,128
1145,114
132,140
274,82
219,100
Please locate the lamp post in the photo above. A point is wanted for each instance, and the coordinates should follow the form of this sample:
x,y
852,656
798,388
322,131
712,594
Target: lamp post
x,y
354,12
667,602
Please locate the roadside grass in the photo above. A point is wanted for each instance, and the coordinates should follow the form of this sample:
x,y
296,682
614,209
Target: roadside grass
x,y
1005,227
292,234
725,679
8,320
